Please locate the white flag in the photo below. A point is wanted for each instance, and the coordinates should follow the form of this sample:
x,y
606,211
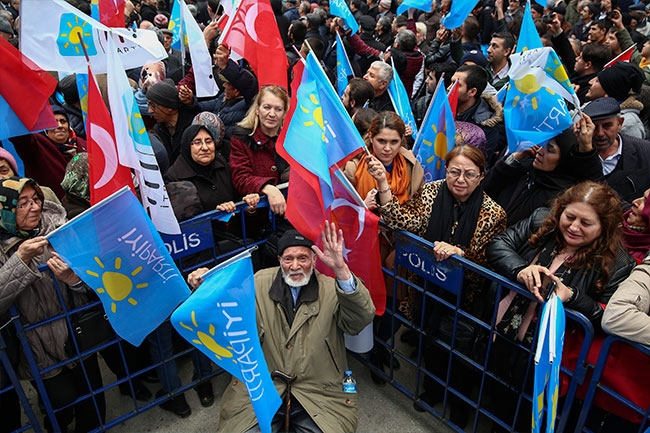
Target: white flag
x,y
52,33
201,59
134,148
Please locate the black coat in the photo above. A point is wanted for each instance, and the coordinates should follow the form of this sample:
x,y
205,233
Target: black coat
x,y
631,176
212,190
509,252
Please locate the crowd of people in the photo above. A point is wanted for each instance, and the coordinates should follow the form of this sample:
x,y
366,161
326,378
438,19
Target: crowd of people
x,y
572,209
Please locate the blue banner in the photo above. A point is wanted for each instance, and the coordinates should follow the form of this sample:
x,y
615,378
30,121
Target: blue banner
x,y
220,320
402,102
194,237
125,261
343,67
340,8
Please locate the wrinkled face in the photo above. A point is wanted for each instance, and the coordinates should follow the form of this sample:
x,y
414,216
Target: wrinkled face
x,y
297,264
160,113
61,133
496,51
28,209
202,148
634,217
5,169
372,76
606,133
462,177
547,157
595,90
386,144
271,113
612,42
585,14
579,225
596,34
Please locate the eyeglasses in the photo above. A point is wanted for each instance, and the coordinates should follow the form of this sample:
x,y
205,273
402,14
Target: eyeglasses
x,y
29,203
198,142
468,175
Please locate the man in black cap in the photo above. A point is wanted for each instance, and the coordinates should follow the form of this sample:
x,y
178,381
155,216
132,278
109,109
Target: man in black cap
x,y
301,318
625,159
171,116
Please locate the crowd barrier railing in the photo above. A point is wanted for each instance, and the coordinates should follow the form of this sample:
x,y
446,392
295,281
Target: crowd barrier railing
x,y
438,289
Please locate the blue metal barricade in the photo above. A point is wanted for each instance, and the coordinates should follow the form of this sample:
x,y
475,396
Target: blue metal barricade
x,y
438,288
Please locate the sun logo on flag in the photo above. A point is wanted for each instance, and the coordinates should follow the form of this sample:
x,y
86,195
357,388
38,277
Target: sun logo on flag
x,y
529,84
556,70
207,340
74,31
316,112
117,285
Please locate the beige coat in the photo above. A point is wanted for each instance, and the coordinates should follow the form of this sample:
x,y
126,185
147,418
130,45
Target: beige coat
x,y
313,349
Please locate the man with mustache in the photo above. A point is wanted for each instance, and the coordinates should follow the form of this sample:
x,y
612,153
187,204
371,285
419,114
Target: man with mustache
x,y
301,317
625,159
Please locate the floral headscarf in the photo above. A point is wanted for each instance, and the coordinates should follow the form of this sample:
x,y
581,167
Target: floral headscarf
x,y
10,190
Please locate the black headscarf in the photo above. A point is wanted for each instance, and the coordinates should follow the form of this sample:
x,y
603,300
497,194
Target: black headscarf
x,y
186,149
539,187
10,190
452,221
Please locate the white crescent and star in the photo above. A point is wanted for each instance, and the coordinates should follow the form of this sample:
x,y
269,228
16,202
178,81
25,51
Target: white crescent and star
x,y
339,202
106,143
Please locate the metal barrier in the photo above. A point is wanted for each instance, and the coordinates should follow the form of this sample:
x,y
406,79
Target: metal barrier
x,y
438,287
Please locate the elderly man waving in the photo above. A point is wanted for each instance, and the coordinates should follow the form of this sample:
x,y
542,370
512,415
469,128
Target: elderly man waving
x,y
301,317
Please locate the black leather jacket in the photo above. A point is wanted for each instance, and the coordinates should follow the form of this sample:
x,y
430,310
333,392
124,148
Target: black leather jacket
x,y
509,252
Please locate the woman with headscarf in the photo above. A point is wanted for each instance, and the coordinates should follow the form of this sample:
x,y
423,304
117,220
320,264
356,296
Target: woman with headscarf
x,y
636,228
25,218
46,154
527,180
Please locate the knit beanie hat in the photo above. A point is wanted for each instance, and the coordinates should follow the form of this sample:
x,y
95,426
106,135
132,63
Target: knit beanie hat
x,y
164,93
620,78
4,154
68,87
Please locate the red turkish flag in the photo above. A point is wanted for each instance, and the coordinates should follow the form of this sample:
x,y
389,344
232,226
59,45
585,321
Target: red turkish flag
x,y
452,96
111,13
106,174
26,88
625,57
253,34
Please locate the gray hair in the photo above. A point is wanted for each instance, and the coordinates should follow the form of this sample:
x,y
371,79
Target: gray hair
x,y
406,40
384,70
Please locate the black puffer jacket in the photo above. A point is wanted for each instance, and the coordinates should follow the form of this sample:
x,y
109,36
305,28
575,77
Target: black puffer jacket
x,y
509,252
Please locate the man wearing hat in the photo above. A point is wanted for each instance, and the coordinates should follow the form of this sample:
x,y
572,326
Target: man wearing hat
x,y
171,116
301,317
6,31
621,81
174,61
625,159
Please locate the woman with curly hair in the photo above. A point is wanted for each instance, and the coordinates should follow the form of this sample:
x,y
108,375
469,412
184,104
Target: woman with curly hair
x,y
578,244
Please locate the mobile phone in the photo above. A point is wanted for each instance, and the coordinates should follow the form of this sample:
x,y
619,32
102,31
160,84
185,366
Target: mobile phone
x,y
547,287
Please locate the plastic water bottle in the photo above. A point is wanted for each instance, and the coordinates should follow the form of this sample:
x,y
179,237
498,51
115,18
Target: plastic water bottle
x,y
349,384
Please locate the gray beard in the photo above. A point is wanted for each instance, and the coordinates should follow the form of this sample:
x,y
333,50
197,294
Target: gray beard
x,y
303,282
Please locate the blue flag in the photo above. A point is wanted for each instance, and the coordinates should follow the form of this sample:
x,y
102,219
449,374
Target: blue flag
x,y
528,36
343,67
175,25
460,10
340,9
437,136
125,261
320,134
82,88
535,108
402,102
220,320
423,5
548,358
